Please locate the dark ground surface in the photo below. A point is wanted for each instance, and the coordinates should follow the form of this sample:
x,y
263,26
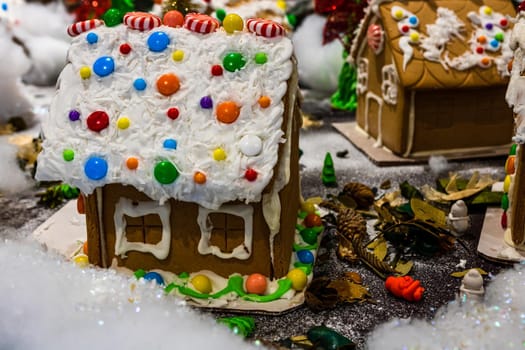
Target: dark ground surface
x,y
20,215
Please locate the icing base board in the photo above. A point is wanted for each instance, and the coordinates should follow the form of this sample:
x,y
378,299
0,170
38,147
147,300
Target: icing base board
x,y
65,232
492,243
384,157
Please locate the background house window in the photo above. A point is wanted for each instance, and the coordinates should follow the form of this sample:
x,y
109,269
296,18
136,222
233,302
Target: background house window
x,y
362,76
144,229
389,84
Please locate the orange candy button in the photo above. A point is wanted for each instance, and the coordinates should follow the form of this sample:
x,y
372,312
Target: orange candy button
x,y
168,84
264,101
482,39
132,163
199,178
228,112
510,165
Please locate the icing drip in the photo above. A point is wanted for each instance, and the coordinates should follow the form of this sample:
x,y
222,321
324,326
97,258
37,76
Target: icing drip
x,y
241,252
447,26
126,206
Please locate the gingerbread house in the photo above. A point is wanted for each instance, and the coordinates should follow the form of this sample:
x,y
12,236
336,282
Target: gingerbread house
x,y
184,141
432,75
513,219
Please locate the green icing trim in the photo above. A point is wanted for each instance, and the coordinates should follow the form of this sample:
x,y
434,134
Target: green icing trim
x,y
297,247
307,268
139,273
299,227
184,275
302,215
235,285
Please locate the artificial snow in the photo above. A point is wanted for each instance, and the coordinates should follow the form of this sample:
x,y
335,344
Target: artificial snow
x,y
12,180
319,65
496,323
49,303
438,164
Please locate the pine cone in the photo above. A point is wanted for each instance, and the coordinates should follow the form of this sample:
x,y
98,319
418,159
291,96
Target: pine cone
x,y
362,194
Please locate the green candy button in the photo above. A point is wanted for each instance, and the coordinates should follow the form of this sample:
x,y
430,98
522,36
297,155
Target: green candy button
x,y
165,172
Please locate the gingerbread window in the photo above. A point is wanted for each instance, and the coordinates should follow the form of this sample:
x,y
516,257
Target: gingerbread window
x,y
362,76
226,232
142,226
389,84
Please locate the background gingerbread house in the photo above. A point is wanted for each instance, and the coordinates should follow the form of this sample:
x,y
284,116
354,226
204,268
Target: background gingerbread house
x,y
186,145
432,75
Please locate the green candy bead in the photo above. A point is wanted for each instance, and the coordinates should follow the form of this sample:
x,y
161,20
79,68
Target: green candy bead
x,y
165,172
309,235
512,151
113,17
233,61
505,201
261,58
68,155
220,13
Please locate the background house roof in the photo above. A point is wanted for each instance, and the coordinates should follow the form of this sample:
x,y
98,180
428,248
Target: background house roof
x,y
114,106
420,72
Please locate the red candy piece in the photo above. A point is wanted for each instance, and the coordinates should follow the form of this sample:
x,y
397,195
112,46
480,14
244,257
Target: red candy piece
x,y
173,113
125,49
265,27
84,26
405,287
200,23
503,22
480,50
216,70
504,220
141,20
405,28
250,175
97,121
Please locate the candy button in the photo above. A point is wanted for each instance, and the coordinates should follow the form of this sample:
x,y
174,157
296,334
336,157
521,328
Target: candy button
x,y
81,260
123,123
139,84
202,284
85,72
489,26
261,58
503,22
219,154
298,279
227,112
264,101
250,174
221,14
199,178
206,102
487,10
405,28
506,184
250,145
92,38
168,84
414,37
68,155
132,163
413,20
513,149
505,201
141,21
305,256
104,66
398,14
510,165
97,121
170,144
233,61
96,168
499,37
482,39
84,26
216,70
158,41
154,276
232,22
125,48
173,19
178,55
165,172
173,113
480,50
494,43
256,283
265,27
74,115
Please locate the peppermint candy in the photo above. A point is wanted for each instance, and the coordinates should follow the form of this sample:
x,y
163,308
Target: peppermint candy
x,y
141,21
84,26
200,23
265,27
375,38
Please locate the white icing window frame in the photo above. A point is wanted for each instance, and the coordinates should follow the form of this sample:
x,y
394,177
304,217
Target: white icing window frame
x,y
126,206
389,84
362,76
242,251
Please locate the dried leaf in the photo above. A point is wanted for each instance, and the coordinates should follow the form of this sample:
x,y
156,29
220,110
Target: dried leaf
x,y
474,179
487,198
403,268
301,340
349,292
461,274
354,277
428,213
319,296
452,185
380,250
345,251
347,201
408,191
385,185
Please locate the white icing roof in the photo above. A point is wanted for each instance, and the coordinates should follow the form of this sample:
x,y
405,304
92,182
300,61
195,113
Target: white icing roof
x,y
196,130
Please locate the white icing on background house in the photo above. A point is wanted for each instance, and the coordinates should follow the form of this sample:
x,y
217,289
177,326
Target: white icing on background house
x,y
362,76
389,84
197,131
515,95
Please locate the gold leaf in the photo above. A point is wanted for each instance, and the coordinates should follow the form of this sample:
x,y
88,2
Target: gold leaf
x,y
354,277
461,274
403,268
348,291
301,340
380,250
426,212
452,184
314,200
